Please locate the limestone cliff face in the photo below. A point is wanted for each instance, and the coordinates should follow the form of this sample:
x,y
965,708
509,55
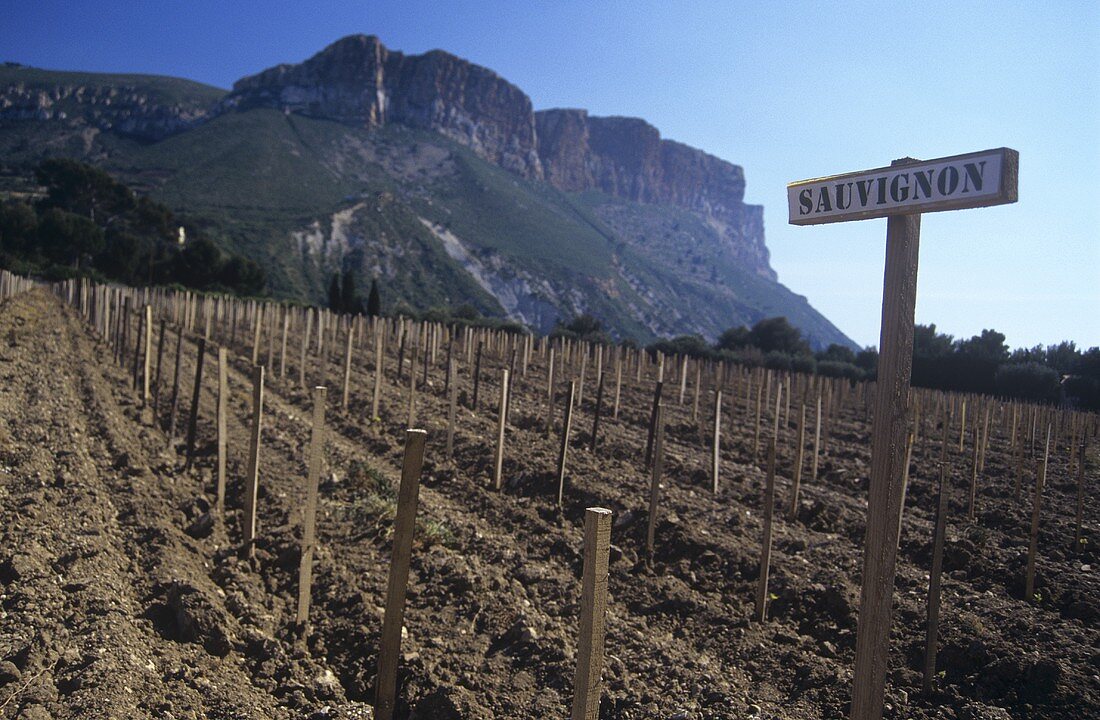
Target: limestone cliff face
x,y
357,80
626,157
137,106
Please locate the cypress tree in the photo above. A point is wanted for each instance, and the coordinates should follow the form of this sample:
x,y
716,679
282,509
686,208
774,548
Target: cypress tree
x,y
374,301
335,300
349,298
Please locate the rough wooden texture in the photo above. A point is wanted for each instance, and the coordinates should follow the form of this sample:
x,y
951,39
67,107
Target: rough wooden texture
x,y
655,484
385,688
761,611
796,484
652,423
502,416
887,466
252,477
194,417
587,683
347,367
452,406
379,347
1033,542
817,439
309,515
223,412
567,425
932,627
716,443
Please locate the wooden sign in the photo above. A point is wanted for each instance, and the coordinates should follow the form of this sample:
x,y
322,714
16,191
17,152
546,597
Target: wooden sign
x,y
952,183
901,193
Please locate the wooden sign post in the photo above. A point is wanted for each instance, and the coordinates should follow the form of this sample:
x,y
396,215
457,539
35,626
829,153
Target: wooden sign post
x,y
900,192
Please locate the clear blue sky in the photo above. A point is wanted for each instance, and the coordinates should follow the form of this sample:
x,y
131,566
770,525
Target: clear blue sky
x,y
788,90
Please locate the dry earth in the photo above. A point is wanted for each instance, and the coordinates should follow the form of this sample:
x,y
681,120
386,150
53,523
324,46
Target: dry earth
x,y
123,597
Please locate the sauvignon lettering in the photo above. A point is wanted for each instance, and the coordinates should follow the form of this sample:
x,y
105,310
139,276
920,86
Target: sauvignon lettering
x,y
949,183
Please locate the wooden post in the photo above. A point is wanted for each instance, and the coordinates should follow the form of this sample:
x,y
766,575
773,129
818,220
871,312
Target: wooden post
x,y
618,381
974,475
766,543
597,546
817,439
452,394
156,378
887,466
567,426
309,517
477,375
695,402
223,411
498,459
550,392
792,511
146,379
385,688
653,422
932,630
715,456
174,406
756,429
411,419
1080,494
195,404
655,484
282,352
1033,544
599,408
252,478
347,367
304,349
379,339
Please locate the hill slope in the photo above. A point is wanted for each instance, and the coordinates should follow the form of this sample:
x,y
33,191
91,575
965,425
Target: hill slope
x,y
450,191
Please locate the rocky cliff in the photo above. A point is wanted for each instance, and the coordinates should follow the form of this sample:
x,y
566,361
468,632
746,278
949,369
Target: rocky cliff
x,y
358,81
144,107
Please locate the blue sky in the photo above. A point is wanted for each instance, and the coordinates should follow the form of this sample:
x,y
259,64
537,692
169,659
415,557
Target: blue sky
x,y
788,90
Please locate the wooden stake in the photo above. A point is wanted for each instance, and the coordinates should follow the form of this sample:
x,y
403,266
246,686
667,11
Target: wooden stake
x,y
618,381
974,475
655,484
452,404
550,393
1080,494
146,379
252,478
1033,544
282,352
716,443
597,545
498,459
817,439
792,511
195,405
932,628
223,411
347,367
309,518
596,420
653,422
385,688
477,375
156,379
766,543
173,407
379,339
567,426
887,466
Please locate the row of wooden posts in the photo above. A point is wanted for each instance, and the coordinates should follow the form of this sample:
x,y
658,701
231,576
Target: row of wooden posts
x,y
110,311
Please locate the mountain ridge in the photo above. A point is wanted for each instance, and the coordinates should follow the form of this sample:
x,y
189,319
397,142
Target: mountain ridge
x,y
661,240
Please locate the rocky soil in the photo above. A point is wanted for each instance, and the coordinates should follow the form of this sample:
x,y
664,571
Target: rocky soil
x,y
122,595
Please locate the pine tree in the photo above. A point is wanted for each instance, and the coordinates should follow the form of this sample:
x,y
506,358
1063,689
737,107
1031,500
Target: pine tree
x,y
374,301
335,300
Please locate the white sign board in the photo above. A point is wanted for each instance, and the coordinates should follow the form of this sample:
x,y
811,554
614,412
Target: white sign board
x,y
952,183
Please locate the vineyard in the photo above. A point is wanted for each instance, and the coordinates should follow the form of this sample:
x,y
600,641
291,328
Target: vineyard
x,y
166,463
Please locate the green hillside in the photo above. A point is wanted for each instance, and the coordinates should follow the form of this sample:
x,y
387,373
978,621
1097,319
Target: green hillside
x,y
435,224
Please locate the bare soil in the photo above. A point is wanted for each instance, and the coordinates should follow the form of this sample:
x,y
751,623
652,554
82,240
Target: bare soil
x,y
122,594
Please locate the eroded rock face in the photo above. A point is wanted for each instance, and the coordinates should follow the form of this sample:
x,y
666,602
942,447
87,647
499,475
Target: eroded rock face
x,y
357,80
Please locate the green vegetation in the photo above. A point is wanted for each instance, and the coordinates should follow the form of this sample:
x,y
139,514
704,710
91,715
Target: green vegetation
x,y
90,224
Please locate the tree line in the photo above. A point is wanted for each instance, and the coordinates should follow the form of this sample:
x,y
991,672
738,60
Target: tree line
x,y
89,224
981,364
